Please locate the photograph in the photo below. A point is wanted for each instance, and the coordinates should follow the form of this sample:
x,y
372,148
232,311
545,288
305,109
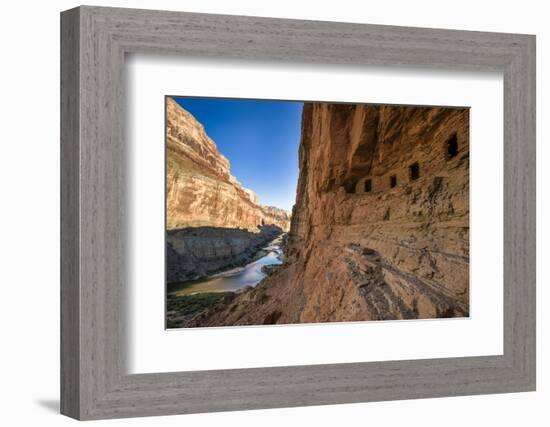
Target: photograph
x,y
290,212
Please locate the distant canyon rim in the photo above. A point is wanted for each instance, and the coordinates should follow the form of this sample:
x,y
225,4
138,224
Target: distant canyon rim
x,y
379,230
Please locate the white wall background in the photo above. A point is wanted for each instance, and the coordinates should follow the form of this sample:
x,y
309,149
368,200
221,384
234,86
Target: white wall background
x,y
29,213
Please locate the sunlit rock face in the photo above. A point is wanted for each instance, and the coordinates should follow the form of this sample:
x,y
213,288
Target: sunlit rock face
x,y
200,190
380,228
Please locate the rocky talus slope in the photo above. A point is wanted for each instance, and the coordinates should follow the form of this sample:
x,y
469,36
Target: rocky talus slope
x,y
200,190
380,229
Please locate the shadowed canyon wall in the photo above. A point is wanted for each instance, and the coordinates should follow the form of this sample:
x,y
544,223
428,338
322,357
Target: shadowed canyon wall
x,y
200,190
196,252
380,228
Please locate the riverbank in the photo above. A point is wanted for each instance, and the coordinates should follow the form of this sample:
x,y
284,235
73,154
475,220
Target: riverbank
x,y
181,309
189,299
197,252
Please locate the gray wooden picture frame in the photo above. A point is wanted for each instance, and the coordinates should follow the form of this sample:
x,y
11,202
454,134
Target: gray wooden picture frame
x,y
94,381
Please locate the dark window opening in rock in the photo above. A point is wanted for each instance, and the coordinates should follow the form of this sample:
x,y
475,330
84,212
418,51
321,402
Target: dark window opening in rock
x,y
393,181
414,171
368,186
349,186
452,146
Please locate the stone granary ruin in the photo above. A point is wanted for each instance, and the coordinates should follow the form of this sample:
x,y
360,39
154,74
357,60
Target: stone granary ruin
x,y
404,174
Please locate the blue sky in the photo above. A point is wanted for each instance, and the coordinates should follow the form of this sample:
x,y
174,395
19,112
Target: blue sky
x,y
260,139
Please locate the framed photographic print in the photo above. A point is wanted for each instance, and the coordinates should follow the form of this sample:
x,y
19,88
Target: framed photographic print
x,y
261,213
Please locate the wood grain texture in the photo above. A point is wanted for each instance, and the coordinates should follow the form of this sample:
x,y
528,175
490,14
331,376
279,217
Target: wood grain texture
x,y
95,383
70,315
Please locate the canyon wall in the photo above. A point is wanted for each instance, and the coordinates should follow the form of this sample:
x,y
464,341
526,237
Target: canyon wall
x,y
196,252
200,190
380,229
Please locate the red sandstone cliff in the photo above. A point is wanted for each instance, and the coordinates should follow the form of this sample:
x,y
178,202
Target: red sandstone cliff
x,y
380,229
200,190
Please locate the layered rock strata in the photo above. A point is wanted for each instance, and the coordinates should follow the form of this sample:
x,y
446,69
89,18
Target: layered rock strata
x,y
196,252
200,190
380,228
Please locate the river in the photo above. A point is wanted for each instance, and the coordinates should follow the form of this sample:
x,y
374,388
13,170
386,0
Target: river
x,y
234,279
